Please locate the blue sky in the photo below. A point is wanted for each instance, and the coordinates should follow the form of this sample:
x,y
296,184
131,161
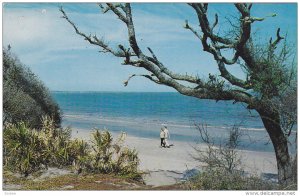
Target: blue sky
x,y
64,61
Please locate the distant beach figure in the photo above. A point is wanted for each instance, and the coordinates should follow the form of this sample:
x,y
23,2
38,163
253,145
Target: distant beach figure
x,y
167,136
162,137
123,136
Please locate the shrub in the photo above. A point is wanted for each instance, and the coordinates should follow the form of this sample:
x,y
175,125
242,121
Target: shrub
x,y
25,97
27,150
219,155
109,157
22,149
223,168
56,140
221,179
79,154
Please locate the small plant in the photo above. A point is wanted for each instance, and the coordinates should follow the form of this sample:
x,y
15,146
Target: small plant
x,y
127,162
221,179
223,169
222,155
27,150
56,143
102,152
22,149
109,157
78,154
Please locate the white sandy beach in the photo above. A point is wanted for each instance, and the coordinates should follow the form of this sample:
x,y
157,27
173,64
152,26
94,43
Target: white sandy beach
x,y
166,165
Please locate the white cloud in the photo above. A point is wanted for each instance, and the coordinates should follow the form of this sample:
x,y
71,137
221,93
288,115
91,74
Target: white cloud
x,y
41,38
32,31
43,29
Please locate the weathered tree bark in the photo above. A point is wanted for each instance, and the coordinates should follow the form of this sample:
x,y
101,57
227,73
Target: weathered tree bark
x,y
271,121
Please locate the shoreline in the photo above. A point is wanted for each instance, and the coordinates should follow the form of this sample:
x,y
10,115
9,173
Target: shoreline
x,y
254,140
166,166
170,123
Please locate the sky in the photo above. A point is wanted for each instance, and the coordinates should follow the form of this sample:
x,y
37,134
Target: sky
x,y
64,61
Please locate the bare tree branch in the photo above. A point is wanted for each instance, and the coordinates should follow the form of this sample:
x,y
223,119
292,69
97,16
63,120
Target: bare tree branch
x,y
131,32
278,39
160,74
215,23
92,40
117,12
250,6
143,75
187,26
231,61
214,49
153,55
243,9
104,9
205,25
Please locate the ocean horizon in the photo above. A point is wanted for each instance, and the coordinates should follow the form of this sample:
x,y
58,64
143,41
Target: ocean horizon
x,y
142,114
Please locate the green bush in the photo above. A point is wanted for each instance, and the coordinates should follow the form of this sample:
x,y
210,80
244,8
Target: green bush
x,y
221,179
109,157
79,155
22,149
56,151
25,97
27,150
223,165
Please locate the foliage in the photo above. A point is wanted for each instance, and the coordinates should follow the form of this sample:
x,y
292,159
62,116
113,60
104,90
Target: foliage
x,y
223,155
109,157
22,149
79,154
57,151
221,179
28,150
223,168
274,69
25,97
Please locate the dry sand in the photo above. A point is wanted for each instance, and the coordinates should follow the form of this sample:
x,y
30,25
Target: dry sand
x,y
167,165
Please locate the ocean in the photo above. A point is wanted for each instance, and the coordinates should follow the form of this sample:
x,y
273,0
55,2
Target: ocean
x,y
142,114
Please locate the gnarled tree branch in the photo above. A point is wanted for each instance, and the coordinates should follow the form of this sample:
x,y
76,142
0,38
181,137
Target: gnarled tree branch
x,y
160,74
278,39
214,48
93,40
114,8
150,77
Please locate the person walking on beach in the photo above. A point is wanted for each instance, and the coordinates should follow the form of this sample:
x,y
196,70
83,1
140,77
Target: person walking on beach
x,y
162,138
167,136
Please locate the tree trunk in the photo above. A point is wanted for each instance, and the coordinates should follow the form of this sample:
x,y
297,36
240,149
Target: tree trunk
x,y
271,121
